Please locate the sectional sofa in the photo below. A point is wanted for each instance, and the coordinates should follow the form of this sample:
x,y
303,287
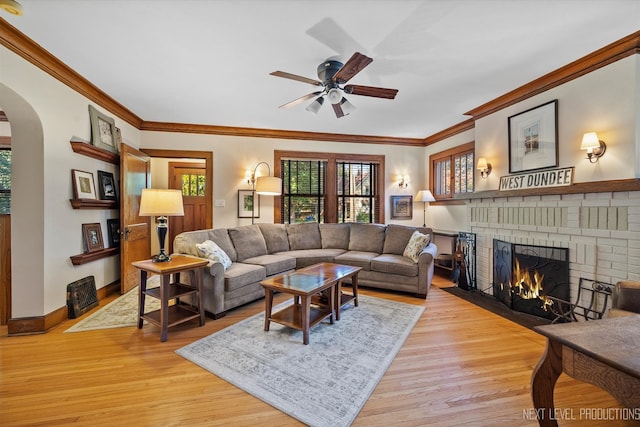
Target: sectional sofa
x,y
258,251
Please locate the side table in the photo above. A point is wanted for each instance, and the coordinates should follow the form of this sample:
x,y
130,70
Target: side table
x,y
177,313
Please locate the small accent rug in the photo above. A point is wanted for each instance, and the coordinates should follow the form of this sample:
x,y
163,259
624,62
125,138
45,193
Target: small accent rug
x,y
324,383
120,312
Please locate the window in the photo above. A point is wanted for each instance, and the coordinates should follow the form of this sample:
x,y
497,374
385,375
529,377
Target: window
x,y
193,184
329,187
5,181
452,172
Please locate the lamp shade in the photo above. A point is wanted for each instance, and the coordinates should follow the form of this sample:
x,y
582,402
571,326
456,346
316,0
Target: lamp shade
x,y
424,196
482,163
161,202
590,141
268,185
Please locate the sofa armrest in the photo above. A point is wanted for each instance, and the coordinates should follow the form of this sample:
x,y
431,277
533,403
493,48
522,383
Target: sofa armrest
x,y
626,296
426,268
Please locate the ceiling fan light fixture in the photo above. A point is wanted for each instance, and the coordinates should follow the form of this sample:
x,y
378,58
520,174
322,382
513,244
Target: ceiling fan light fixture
x,y
334,96
314,107
11,6
347,107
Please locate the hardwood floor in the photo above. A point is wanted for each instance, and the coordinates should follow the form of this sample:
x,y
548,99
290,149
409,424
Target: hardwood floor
x,y
461,365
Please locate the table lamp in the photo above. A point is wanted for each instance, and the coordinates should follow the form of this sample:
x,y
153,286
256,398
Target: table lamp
x,y
161,203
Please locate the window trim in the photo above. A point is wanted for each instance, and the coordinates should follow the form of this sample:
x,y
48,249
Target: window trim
x,y
331,206
448,154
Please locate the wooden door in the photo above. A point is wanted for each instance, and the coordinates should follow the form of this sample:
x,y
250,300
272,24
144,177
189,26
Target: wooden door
x,y
190,178
135,241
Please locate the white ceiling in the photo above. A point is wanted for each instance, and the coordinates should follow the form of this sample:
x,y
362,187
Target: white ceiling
x,y
208,61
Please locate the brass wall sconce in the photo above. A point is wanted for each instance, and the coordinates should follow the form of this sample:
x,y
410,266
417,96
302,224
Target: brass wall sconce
x,y
484,167
595,148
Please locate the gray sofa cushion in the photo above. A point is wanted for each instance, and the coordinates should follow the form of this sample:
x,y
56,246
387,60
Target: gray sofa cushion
x,y
394,264
357,259
273,263
334,236
367,238
396,238
275,236
185,243
307,257
248,241
304,236
239,275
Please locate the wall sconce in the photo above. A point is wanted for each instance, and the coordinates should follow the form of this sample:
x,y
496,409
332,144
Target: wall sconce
x,y
595,148
267,185
404,181
484,167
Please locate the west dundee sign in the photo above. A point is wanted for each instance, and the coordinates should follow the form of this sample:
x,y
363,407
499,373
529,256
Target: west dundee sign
x,y
541,179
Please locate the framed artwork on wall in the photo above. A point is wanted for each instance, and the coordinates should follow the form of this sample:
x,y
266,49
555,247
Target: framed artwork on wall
x,y
103,130
92,234
83,185
533,138
113,231
401,207
245,204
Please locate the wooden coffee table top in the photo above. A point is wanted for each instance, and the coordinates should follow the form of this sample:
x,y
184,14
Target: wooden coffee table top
x,y
297,283
337,271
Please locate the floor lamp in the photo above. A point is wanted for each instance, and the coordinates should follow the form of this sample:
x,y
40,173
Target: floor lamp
x,y
424,196
161,203
265,185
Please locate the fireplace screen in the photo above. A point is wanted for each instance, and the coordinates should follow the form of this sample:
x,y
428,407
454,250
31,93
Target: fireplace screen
x,y
524,275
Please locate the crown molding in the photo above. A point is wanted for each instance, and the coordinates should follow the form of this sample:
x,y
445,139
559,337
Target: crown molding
x,y
277,134
449,132
613,52
26,48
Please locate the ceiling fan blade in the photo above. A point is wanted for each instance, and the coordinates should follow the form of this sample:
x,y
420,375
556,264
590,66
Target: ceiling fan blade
x,y
337,108
296,77
353,66
377,92
300,100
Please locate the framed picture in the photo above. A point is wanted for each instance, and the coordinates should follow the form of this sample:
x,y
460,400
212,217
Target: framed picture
x,y
103,130
106,186
92,234
113,231
401,207
83,185
533,138
245,204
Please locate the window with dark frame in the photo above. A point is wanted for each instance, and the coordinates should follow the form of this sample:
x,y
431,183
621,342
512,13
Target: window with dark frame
x,y
330,187
452,172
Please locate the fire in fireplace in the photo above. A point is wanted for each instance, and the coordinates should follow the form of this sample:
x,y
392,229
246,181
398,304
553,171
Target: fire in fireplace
x,y
524,275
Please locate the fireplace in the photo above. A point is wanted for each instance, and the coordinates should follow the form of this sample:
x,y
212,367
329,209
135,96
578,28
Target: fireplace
x,y
524,275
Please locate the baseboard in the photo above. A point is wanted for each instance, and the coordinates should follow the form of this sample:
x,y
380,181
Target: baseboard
x,y
41,324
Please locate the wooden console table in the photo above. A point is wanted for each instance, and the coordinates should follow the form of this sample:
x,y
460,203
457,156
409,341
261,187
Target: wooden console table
x,y
601,352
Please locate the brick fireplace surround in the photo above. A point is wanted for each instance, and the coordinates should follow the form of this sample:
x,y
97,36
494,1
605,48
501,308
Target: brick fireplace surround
x,y
601,230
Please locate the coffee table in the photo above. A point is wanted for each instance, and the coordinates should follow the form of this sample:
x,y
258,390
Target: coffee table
x,y
339,272
299,315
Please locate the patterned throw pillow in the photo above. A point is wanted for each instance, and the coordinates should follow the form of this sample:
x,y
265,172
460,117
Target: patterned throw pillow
x,y
209,249
417,243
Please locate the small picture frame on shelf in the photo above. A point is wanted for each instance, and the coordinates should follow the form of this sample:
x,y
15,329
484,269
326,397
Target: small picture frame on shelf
x,y
113,231
245,204
83,184
106,186
92,235
103,130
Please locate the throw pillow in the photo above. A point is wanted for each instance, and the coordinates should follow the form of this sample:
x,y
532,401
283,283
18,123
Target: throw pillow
x,y
417,243
209,249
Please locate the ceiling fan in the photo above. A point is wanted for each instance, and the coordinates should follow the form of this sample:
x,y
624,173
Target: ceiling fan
x,y
333,75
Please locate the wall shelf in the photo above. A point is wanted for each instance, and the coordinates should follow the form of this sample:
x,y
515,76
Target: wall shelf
x,y
94,204
92,256
95,152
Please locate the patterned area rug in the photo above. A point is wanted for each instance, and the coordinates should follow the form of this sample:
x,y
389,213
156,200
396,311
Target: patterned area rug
x,y
120,312
324,383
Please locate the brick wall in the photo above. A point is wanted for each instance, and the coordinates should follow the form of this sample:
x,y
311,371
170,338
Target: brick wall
x,y
601,230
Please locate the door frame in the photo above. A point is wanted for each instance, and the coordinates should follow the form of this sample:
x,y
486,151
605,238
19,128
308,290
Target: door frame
x,y
207,156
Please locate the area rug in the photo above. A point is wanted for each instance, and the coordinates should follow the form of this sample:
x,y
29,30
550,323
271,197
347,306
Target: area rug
x,y
120,312
324,383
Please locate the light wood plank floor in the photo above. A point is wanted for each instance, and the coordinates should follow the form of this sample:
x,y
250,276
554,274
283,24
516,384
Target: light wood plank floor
x,y
461,365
